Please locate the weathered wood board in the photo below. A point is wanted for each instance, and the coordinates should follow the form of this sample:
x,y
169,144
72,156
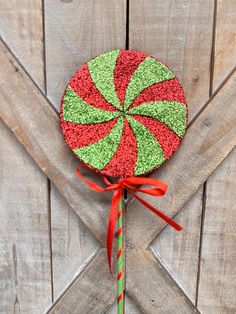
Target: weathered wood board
x,y
217,284
76,31
25,262
25,271
21,27
180,252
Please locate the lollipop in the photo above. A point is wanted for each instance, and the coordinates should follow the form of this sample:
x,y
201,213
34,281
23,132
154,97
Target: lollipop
x,y
123,114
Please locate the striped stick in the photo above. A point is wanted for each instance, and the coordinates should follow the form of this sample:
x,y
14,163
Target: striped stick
x,y
120,262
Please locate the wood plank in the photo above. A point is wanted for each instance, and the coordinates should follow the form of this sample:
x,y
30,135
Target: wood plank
x,y
180,34
179,31
21,28
36,125
217,287
206,144
25,278
76,31
79,34
92,292
25,254
73,246
180,252
225,41
217,269
152,288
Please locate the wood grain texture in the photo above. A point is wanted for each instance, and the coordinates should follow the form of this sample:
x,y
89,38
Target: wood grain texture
x,y
21,28
217,287
25,283
180,252
92,292
152,288
25,269
217,273
206,144
225,40
76,31
72,243
37,128
180,34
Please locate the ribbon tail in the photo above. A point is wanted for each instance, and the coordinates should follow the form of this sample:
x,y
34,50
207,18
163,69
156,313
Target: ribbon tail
x,y
112,223
157,212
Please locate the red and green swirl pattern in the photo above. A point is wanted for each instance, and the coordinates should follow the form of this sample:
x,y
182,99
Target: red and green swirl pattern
x,y
123,113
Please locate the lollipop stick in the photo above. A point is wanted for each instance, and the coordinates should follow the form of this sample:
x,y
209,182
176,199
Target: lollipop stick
x,y
120,261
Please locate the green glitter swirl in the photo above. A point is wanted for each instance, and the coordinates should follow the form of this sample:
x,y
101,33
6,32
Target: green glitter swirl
x,y
102,73
150,153
171,113
78,111
100,153
148,73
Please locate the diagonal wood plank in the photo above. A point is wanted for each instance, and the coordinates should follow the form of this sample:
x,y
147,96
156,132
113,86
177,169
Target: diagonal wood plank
x,y
36,125
130,307
180,252
73,245
207,142
93,290
152,288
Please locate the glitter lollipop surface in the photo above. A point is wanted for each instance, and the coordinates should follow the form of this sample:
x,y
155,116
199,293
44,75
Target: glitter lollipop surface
x,y
123,113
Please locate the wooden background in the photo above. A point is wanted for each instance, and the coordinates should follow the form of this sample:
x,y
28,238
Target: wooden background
x,y
52,228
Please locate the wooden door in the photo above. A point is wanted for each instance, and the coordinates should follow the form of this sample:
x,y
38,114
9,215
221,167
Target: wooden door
x,y
52,227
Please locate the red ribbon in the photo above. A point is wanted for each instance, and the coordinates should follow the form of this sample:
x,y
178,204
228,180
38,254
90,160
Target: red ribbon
x,y
159,188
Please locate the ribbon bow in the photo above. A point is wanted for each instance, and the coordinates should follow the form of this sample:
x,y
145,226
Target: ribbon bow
x,y
158,188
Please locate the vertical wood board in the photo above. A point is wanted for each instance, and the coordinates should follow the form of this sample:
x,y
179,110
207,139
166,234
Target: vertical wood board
x,y
217,273
75,31
25,278
25,251
217,287
21,28
179,33
225,40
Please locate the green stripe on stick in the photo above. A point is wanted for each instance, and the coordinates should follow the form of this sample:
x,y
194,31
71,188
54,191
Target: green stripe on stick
x,y
120,262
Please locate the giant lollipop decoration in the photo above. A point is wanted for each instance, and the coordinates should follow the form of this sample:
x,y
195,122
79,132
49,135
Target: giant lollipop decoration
x,y
123,114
